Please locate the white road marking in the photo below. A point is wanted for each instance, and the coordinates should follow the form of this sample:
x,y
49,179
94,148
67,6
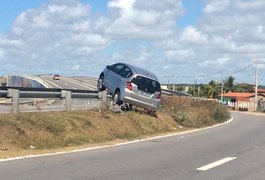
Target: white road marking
x,y
89,86
53,84
216,163
118,144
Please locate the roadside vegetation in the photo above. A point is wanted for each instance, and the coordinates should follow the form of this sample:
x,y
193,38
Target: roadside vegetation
x,y
34,133
213,89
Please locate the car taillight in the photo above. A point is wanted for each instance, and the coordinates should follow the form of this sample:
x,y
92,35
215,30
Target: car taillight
x,y
129,85
159,95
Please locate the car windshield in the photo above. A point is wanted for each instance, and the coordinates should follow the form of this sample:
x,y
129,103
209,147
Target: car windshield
x,y
146,84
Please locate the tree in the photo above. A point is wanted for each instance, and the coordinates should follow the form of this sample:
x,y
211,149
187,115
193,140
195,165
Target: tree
x,y
213,89
243,88
229,84
200,91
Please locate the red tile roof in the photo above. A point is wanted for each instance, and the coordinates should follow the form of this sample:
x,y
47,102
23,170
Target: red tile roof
x,y
261,90
237,95
241,96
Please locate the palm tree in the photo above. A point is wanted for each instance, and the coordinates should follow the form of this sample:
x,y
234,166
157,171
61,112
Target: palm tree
x,y
200,91
213,89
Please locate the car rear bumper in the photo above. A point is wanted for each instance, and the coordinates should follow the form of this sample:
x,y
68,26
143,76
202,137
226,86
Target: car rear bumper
x,y
150,106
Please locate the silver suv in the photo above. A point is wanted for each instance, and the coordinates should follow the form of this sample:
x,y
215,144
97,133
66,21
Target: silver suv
x,y
131,85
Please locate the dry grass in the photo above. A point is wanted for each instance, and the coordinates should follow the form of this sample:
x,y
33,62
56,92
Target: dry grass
x,y
191,113
32,133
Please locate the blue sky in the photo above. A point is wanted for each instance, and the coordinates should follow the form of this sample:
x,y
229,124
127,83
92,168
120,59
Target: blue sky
x,y
10,9
179,40
193,11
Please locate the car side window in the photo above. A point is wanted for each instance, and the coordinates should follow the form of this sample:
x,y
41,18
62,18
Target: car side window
x,y
126,72
117,68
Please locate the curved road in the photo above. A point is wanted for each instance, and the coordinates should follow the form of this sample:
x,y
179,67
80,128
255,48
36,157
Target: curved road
x,y
232,151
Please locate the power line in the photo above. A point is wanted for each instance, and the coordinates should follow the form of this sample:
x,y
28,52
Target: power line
x,y
211,74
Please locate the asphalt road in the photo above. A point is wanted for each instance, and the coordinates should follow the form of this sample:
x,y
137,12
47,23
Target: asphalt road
x,y
241,144
78,82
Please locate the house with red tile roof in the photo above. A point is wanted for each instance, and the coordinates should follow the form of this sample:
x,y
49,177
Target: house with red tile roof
x,y
259,90
246,101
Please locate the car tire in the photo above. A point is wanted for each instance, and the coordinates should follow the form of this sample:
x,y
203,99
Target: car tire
x,y
129,107
116,98
100,85
151,113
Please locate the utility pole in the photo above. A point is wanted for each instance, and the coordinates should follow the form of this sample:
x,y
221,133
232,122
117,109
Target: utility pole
x,y
194,85
222,87
174,78
256,85
257,61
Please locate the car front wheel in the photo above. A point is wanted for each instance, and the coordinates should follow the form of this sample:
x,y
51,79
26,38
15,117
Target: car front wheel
x,y
100,85
116,98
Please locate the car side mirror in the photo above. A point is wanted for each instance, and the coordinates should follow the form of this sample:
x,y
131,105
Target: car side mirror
x,y
108,67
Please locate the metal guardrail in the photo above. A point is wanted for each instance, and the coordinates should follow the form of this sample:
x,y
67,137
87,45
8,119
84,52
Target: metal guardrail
x,y
18,93
21,96
176,93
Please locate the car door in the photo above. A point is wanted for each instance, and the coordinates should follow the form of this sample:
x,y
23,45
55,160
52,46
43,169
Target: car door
x,y
113,77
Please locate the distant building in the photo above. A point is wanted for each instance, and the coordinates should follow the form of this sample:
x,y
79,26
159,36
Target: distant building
x,y
164,86
3,81
259,90
246,101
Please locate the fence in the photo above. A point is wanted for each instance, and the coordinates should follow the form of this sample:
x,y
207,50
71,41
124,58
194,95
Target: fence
x,y
17,99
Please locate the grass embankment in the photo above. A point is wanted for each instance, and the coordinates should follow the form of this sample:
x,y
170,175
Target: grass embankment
x,y
31,133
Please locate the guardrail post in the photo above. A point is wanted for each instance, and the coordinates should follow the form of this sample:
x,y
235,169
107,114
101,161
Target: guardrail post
x,y
68,97
103,97
14,94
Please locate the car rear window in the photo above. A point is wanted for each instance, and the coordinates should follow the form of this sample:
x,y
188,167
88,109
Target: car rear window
x,y
146,84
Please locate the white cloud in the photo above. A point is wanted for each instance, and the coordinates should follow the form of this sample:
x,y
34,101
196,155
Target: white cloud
x,y
180,55
126,7
225,36
191,34
2,54
76,67
216,6
140,56
217,62
141,19
42,21
247,5
259,29
166,67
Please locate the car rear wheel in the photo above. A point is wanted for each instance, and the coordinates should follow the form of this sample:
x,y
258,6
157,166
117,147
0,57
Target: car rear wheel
x,y
100,85
129,107
116,98
151,112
